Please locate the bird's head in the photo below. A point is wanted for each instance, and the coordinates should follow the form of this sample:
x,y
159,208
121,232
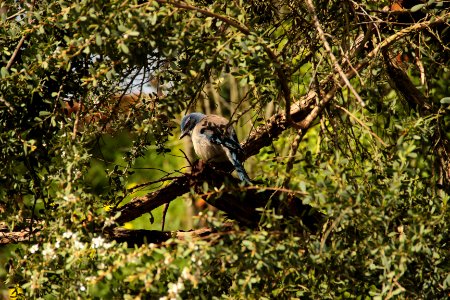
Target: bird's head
x,y
188,123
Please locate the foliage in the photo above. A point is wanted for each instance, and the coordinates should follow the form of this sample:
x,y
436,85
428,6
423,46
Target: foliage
x,y
71,149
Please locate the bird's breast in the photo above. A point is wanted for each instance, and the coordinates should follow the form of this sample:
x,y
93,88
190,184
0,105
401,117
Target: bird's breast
x,y
207,150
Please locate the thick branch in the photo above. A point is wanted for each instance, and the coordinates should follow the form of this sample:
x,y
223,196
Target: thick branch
x,y
14,237
17,234
401,82
140,237
141,205
132,237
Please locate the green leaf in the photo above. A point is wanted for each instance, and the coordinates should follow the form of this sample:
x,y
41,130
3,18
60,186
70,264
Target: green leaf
x,y
133,33
124,48
122,28
153,19
44,113
445,100
417,7
98,39
4,72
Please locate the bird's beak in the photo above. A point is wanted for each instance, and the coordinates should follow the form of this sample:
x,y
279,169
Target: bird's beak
x,y
183,134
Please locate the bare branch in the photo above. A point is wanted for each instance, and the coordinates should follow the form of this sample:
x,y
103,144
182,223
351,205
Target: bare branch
x,y
141,205
363,125
14,237
327,46
139,237
132,237
16,51
22,40
290,164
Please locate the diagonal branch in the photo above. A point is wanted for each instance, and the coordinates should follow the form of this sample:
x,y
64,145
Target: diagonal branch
x,y
141,205
22,39
327,46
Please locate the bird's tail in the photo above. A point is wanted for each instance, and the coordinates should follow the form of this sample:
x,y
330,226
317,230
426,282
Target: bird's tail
x,y
239,168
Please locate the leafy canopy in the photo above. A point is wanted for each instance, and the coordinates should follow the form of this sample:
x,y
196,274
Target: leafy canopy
x,y
372,157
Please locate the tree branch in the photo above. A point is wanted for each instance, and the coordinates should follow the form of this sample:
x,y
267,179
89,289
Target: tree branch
x,y
22,39
141,205
328,49
14,237
132,237
140,237
16,51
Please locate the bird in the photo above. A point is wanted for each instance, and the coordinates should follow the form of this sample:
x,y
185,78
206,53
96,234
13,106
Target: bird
x,y
214,140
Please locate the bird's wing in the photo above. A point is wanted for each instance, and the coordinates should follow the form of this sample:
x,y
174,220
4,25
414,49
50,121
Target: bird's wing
x,y
239,167
216,129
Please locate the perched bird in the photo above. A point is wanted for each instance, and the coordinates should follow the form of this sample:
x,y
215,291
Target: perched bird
x,y
214,140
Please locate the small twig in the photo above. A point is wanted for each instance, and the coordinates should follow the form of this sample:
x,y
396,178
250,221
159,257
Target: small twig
x,y
362,124
187,158
8,105
15,15
333,226
290,163
419,64
16,51
330,52
22,40
242,28
152,182
77,120
163,222
115,108
395,281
